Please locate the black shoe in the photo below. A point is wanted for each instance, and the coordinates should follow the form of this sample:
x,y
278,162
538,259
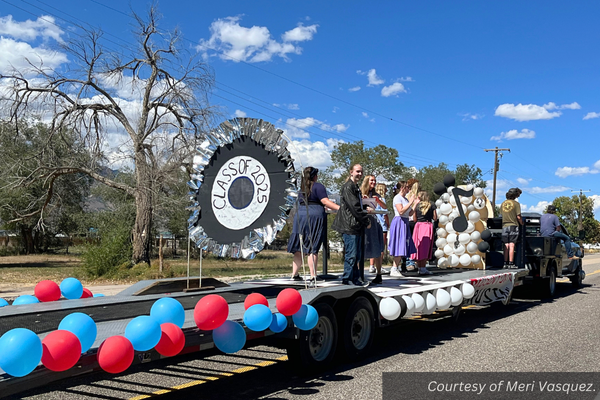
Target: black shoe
x,y
296,278
377,280
345,282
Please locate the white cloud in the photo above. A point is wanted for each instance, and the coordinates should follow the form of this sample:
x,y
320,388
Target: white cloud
x,y
407,79
525,112
335,109
596,198
597,164
24,58
237,43
374,79
502,186
514,134
549,189
354,89
296,128
553,106
563,172
316,154
523,181
591,115
240,114
293,106
540,207
393,89
43,27
471,117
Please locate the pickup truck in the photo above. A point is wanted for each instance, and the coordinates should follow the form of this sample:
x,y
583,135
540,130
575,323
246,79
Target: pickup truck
x,y
545,257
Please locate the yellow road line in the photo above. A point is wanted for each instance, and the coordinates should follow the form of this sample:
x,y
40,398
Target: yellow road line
x,y
210,378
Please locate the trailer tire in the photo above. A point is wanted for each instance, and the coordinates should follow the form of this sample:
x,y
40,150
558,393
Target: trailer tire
x,y
315,349
358,329
577,279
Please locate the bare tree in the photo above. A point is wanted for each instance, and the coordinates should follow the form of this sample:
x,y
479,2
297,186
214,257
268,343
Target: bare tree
x,y
155,96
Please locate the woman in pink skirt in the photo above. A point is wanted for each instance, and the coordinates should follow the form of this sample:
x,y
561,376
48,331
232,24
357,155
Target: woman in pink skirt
x,y
424,215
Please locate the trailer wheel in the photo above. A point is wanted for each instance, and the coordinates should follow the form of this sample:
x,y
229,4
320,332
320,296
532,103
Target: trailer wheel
x,y
577,279
315,349
549,284
358,329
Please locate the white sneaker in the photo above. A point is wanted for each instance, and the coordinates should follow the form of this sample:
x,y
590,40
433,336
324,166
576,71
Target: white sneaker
x,y
385,271
394,272
372,269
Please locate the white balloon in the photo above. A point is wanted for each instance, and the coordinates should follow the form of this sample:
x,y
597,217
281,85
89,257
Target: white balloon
x,y
451,238
459,250
430,304
438,203
470,227
467,290
466,199
474,216
479,203
453,215
439,253
465,260
389,308
419,302
441,242
456,296
410,305
442,299
450,191
442,262
469,187
449,227
471,208
443,219
448,249
452,201
441,233
475,236
446,209
478,192
464,238
472,247
475,259
453,260
445,197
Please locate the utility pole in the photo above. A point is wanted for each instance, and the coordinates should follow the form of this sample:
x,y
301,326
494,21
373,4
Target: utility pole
x,y
579,219
496,167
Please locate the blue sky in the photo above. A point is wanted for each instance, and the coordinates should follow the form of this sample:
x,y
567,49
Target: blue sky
x,y
439,81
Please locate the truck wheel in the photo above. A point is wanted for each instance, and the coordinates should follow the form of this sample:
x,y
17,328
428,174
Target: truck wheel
x,y
549,284
577,279
358,329
315,349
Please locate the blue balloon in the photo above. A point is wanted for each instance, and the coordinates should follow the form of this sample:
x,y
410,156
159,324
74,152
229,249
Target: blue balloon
x,y
279,323
3,302
25,299
71,288
306,318
82,326
258,317
143,332
98,295
168,309
229,337
20,351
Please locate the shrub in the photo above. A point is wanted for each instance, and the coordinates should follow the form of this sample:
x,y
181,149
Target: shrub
x,y
112,253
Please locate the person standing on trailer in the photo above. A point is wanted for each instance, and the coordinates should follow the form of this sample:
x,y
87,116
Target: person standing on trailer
x,y
374,244
383,219
511,221
424,215
310,222
351,221
401,244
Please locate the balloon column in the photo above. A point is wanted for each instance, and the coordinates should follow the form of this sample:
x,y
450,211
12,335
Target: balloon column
x,y
462,216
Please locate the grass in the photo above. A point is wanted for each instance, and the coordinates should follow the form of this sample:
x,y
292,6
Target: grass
x,y
30,269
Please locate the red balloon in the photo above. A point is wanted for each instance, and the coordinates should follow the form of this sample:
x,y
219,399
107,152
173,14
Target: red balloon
x,y
289,302
61,350
255,298
172,340
210,312
115,354
47,291
86,293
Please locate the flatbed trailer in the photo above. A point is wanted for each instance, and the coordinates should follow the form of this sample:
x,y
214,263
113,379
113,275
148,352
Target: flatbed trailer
x,y
348,315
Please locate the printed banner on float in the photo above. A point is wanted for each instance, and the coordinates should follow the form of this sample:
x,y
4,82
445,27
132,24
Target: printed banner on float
x,y
489,289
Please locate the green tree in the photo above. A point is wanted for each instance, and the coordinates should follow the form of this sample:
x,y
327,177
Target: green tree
x,y
464,174
569,210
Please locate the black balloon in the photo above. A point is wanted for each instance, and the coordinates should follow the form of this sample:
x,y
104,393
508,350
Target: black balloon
x,y
486,235
403,307
449,180
439,188
483,246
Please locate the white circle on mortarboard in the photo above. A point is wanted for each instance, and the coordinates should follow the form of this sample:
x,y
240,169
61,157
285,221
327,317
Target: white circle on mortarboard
x,y
443,220
442,262
441,242
475,259
474,216
478,192
464,238
472,247
479,203
442,233
240,192
465,260
439,253
475,236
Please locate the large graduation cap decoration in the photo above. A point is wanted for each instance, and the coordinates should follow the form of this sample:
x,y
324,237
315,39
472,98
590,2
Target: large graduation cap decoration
x,y
243,187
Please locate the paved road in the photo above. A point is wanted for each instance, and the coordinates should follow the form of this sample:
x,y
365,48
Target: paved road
x,y
528,335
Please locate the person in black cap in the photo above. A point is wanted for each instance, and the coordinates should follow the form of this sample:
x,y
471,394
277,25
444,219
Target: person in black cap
x,y
511,221
550,227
